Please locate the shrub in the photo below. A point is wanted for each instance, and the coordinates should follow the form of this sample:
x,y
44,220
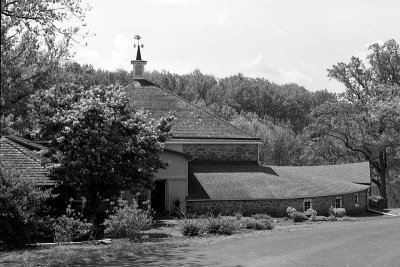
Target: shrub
x,y
189,226
290,211
337,212
260,216
71,225
312,214
299,217
22,205
259,224
221,225
128,220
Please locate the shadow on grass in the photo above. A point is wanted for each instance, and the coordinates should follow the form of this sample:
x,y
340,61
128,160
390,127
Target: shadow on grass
x,y
163,257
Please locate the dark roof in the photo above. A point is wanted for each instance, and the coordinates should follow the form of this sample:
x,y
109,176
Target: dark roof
x,y
24,159
191,121
250,181
352,172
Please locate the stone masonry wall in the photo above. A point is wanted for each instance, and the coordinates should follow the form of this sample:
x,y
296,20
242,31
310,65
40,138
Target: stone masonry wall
x,y
222,152
277,207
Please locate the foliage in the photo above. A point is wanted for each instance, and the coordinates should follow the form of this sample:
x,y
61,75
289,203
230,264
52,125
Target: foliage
x,y
21,204
337,212
128,220
221,225
71,226
261,216
259,223
290,211
33,43
98,144
298,216
189,226
367,119
312,214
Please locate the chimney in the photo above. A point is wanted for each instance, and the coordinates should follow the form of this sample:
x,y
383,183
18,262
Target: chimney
x,y
138,64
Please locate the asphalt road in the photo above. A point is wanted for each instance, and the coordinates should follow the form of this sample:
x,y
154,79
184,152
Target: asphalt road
x,y
365,243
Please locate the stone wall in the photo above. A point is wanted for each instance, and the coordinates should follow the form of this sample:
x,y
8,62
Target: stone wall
x,y
222,152
277,207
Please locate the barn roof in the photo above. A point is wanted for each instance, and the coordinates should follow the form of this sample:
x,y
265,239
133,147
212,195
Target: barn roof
x,y
191,121
251,181
23,158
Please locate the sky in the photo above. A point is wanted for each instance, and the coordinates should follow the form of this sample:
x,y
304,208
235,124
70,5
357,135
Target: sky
x,y
283,41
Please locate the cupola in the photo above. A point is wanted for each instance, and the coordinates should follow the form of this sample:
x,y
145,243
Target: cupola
x,y
138,64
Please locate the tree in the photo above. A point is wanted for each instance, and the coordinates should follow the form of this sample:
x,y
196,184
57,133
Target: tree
x,y
21,202
367,119
32,45
281,146
99,144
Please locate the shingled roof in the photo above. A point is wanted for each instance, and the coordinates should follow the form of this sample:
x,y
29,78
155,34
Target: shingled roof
x,y
352,172
251,181
23,159
191,121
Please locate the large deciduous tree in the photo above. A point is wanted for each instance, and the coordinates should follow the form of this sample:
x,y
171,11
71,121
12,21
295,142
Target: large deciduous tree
x,y
99,144
33,41
367,119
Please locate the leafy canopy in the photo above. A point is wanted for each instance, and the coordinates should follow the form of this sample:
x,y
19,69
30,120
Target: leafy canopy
x,y
98,143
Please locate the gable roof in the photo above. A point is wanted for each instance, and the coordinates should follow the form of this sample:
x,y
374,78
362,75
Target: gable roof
x,y
251,181
23,159
191,121
351,172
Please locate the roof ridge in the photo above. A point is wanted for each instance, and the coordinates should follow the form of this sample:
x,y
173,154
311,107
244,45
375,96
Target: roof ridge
x,y
209,113
322,165
20,148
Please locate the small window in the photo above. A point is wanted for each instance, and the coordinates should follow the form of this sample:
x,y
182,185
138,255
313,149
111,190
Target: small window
x,y
338,202
307,204
356,199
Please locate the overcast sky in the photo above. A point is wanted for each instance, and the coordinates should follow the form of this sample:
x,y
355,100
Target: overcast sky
x,y
283,41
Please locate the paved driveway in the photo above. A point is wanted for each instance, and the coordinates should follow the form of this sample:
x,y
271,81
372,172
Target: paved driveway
x,y
367,243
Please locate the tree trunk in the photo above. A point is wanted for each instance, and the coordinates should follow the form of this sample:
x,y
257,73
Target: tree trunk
x,y
382,172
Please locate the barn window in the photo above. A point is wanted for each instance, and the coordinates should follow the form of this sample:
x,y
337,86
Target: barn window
x,y
338,202
356,199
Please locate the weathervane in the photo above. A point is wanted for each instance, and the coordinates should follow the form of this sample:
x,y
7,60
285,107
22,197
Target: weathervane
x,y
138,37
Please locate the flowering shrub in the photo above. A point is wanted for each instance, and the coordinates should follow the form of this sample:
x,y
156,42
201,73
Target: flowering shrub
x,y
312,214
290,211
128,220
71,225
337,212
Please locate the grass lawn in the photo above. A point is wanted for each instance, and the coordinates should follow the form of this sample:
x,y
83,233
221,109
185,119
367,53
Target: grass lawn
x,y
164,235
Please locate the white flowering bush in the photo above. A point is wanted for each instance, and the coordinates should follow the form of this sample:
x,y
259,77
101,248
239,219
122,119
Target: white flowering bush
x,y
99,144
337,212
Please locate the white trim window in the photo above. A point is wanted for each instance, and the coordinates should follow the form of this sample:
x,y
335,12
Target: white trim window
x,y
356,199
307,204
338,202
